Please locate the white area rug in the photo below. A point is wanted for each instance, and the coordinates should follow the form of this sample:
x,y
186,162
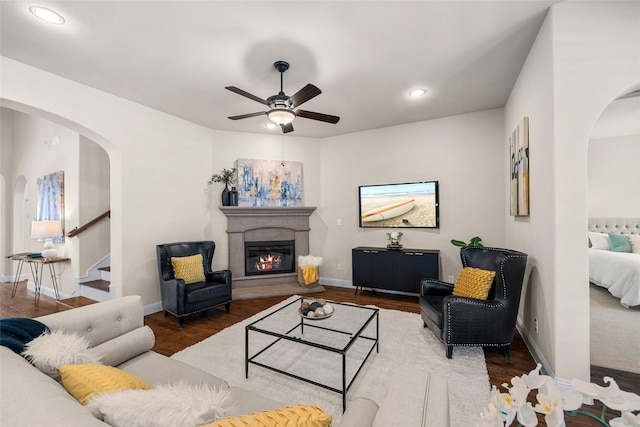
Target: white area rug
x,y
403,340
614,332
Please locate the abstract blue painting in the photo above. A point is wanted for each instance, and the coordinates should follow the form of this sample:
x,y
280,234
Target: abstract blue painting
x,y
269,183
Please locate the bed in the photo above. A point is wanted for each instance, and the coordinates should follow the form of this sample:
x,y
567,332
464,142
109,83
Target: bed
x,y
618,272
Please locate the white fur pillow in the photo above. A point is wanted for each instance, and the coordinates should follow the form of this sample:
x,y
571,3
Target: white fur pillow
x,y
634,239
50,351
179,404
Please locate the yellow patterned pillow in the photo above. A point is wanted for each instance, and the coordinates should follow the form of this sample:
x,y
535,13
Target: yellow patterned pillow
x,y
474,283
83,381
188,268
290,416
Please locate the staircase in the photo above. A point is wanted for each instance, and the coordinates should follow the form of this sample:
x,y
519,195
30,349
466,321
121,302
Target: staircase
x,y
97,285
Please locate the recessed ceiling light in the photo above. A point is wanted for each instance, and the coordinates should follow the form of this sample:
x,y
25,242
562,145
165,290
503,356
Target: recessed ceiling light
x,y
47,15
417,92
271,125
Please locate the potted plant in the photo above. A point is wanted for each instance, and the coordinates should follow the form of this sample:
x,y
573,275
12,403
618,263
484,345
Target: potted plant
x,y
227,176
475,241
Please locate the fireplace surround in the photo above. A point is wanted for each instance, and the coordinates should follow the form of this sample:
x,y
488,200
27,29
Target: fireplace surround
x,y
269,224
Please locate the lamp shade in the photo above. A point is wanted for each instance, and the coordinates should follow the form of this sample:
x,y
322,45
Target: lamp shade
x,y
44,229
281,116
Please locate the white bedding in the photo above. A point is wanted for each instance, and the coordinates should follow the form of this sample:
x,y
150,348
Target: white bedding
x,y
619,272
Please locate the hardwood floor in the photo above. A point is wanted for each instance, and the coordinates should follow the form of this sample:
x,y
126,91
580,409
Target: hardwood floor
x,y
170,340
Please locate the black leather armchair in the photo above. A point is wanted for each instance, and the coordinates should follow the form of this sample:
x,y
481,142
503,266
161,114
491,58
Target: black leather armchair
x,y
182,299
461,321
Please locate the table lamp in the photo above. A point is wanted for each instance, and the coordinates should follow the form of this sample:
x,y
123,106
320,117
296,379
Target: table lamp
x,y
47,230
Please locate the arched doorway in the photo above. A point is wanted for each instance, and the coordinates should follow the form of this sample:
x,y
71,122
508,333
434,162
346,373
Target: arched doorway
x,y
86,148
613,182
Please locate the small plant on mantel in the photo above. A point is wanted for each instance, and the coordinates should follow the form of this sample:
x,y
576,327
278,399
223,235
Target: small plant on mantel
x,y
227,176
475,241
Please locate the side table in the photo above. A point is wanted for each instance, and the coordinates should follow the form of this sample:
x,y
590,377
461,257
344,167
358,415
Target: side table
x,y
37,267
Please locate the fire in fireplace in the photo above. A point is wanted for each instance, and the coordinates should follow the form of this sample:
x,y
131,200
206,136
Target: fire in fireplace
x,y
269,257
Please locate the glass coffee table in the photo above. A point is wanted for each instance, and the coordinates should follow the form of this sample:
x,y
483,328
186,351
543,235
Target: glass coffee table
x,y
328,352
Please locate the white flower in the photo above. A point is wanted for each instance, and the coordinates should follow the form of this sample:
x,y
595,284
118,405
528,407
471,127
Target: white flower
x,y
611,395
491,416
515,403
628,419
552,403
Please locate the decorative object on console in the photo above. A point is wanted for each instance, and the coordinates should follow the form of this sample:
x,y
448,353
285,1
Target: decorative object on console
x,y
47,230
394,240
505,408
413,204
475,241
519,147
269,183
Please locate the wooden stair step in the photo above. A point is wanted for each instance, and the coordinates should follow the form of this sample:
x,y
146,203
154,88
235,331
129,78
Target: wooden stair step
x,y
101,285
108,268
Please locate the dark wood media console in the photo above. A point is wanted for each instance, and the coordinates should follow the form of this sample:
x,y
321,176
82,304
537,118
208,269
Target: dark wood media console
x,y
394,270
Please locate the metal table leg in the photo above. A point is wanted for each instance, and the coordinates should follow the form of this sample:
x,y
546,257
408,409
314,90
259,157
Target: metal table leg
x,y
16,279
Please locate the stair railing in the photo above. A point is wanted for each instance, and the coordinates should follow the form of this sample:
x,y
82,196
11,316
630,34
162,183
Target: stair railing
x,y
88,225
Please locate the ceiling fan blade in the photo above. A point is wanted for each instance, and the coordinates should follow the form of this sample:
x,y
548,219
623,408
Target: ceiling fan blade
x,y
304,94
287,128
317,116
246,94
246,116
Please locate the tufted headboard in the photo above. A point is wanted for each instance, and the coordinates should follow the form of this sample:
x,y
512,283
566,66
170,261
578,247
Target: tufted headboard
x,y
615,225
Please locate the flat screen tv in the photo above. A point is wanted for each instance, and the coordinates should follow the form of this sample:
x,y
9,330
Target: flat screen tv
x,y
413,204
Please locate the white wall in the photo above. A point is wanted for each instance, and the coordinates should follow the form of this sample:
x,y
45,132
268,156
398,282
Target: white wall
x,y
6,207
585,55
532,96
614,177
94,243
462,152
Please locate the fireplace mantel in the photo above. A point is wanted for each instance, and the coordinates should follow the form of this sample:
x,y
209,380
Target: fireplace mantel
x,y
247,224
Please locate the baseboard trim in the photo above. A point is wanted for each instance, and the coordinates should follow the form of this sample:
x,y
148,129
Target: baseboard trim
x,y
45,290
340,283
537,355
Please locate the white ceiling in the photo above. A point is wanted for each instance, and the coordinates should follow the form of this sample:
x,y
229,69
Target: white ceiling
x,y
177,56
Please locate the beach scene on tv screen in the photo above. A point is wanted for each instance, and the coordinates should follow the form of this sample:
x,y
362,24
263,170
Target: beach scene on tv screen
x,y
398,205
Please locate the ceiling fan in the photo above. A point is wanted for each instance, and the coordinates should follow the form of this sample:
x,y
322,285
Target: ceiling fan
x,y
282,107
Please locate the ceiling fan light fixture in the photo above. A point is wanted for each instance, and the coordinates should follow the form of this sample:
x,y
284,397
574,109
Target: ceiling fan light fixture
x,y
47,15
281,116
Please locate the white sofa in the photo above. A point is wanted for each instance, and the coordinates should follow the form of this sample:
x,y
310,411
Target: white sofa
x,y
116,332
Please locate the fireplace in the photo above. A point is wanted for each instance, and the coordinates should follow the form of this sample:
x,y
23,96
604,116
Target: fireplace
x,y
270,257
248,225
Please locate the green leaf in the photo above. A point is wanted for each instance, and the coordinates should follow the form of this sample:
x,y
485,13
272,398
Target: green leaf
x,y
459,243
475,241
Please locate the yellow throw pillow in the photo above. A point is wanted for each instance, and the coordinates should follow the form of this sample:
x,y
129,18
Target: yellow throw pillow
x,y
290,416
473,283
83,381
188,268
